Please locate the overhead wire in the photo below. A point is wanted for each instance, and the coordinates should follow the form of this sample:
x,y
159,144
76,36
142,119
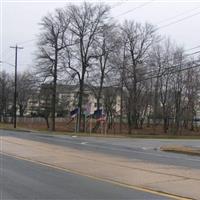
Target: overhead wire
x,y
164,73
168,19
177,21
35,39
167,73
135,8
142,5
196,47
178,15
167,68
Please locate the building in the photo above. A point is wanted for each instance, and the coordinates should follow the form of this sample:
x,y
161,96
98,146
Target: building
x,y
67,100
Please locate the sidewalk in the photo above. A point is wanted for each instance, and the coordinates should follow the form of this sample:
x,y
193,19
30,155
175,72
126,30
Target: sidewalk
x,y
179,181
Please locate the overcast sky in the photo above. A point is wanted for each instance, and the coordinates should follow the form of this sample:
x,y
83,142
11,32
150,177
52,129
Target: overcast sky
x,y
20,23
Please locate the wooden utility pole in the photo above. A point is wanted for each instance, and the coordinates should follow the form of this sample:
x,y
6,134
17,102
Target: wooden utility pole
x,y
15,93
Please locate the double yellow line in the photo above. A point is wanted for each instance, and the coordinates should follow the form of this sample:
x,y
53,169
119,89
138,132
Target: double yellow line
x,y
138,188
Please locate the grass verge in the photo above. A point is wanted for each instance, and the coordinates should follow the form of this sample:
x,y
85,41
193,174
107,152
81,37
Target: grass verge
x,y
4,126
181,149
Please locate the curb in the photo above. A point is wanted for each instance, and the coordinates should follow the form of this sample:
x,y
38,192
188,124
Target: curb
x,y
18,130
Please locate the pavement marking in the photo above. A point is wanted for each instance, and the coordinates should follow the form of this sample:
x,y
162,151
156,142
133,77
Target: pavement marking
x,y
84,142
146,148
76,172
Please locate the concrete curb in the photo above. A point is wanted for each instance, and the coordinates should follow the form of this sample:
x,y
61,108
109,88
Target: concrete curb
x,y
18,130
63,133
181,149
97,135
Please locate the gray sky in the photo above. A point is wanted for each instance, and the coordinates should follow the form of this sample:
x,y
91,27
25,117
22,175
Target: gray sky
x,y
20,19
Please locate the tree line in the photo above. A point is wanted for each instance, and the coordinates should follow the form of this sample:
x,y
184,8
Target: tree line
x,y
83,45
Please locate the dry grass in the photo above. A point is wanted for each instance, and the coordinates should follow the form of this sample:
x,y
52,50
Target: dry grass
x,y
114,131
181,149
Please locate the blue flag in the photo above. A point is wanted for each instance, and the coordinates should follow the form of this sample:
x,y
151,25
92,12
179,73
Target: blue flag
x,y
97,114
74,112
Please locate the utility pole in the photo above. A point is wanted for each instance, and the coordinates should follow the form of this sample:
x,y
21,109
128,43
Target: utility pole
x,y
15,93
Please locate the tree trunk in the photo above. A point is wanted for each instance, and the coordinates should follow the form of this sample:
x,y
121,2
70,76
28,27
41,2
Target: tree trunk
x,y
21,111
100,91
178,114
165,126
54,90
80,102
121,108
129,123
47,122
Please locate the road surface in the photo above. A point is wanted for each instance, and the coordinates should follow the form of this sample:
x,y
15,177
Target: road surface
x,y
26,180
143,149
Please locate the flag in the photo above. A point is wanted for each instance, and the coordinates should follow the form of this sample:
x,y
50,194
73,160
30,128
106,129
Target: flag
x,y
102,118
74,112
97,113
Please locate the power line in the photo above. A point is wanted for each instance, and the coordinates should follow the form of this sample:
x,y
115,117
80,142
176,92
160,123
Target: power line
x,y
8,50
27,41
167,73
193,48
171,67
142,5
165,69
173,59
131,10
116,5
177,21
168,19
35,39
178,15
194,53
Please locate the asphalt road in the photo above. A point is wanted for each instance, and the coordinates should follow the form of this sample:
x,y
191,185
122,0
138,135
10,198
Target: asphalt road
x,y
25,180
143,149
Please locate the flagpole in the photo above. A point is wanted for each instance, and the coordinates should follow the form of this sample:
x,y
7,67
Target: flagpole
x,y
101,127
105,127
85,122
90,124
78,120
75,125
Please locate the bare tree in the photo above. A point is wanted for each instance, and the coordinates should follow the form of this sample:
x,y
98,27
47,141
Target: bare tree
x,y
109,102
104,49
139,39
178,86
45,102
156,62
6,95
52,41
26,88
87,22
191,100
